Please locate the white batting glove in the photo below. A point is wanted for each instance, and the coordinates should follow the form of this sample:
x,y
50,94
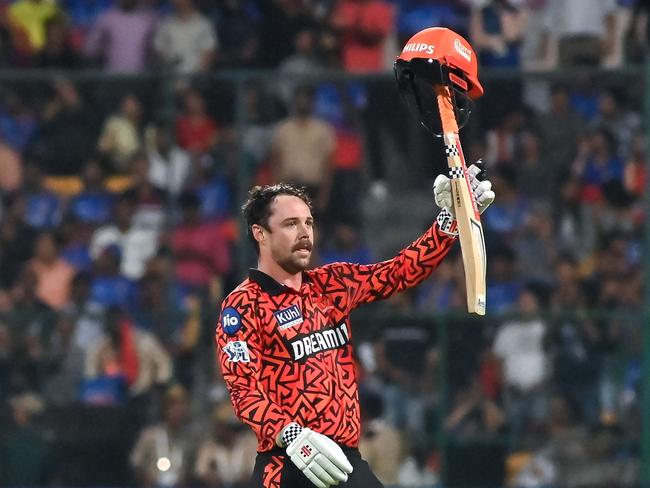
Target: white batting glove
x,y
482,190
319,458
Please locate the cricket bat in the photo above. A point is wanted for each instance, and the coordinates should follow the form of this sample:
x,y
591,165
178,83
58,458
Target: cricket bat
x,y
470,230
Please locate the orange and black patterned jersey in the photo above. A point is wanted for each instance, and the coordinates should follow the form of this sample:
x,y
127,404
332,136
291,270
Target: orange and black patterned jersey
x,y
286,354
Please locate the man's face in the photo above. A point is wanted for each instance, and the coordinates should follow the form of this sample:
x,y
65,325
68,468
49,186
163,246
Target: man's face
x,y
290,236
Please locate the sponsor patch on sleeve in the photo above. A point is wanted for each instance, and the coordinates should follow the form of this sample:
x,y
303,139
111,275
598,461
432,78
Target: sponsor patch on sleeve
x,y
237,352
230,320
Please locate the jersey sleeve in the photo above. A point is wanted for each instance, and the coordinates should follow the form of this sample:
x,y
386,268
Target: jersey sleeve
x,y
239,351
358,284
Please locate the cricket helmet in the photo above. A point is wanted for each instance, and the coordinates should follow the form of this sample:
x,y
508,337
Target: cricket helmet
x,y
436,56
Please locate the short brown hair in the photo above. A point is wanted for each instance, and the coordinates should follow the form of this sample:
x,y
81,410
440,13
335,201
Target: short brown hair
x,y
257,208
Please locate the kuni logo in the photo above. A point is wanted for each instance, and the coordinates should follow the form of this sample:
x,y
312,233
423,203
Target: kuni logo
x,y
288,317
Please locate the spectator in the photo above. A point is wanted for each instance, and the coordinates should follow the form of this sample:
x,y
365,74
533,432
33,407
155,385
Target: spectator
x,y
497,30
10,168
196,130
31,17
18,124
172,315
580,32
201,249
162,453
444,293
340,105
121,136
64,360
520,346
302,150
634,176
510,211
6,360
43,207
346,245
213,189
474,415
185,41
150,201
53,273
64,141
109,287
138,356
406,360
576,228
26,458
135,245
83,14
169,165
75,238
94,204
381,445
32,320
597,164
7,52
504,141
111,364
121,37
228,456
364,26
238,34
277,37
536,177
535,247
57,51
87,316
621,122
302,63
577,347
16,239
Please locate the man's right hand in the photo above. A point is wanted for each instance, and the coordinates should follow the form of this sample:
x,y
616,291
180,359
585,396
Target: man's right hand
x,y
320,458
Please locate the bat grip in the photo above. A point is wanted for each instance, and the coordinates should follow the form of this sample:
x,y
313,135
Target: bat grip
x,y
446,109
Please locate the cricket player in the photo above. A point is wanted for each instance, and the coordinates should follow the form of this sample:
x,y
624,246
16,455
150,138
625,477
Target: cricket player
x,y
284,336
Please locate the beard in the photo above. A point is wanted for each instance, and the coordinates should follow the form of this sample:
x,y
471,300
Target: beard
x,y
293,264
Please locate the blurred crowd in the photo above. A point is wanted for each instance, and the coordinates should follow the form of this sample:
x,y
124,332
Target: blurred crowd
x,y
119,234
189,36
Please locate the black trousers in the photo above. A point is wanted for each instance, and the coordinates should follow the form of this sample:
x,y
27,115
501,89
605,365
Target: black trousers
x,y
274,469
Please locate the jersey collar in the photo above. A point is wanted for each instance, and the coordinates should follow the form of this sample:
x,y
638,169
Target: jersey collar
x,y
270,286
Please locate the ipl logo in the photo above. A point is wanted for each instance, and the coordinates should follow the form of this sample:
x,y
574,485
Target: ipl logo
x,y
237,352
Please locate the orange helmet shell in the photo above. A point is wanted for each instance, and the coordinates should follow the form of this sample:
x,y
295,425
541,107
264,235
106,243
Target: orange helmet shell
x,y
447,48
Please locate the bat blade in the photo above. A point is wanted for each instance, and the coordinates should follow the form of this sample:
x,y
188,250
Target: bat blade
x,y
470,230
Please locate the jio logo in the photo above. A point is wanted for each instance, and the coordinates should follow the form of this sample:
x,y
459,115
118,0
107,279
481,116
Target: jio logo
x,y
230,320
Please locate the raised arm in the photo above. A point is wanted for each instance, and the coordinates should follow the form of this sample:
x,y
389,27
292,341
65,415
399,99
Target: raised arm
x,y
360,284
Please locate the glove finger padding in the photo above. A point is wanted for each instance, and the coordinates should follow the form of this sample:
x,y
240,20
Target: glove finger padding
x,y
484,195
314,479
322,473
332,469
333,453
442,192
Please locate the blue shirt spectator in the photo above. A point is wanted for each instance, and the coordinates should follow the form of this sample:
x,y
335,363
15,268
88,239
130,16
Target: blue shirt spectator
x,y
215,198
112,290
17,124
43,210
84,13
92,207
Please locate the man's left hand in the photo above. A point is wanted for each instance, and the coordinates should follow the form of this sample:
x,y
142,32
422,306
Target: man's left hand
x,y
482,190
